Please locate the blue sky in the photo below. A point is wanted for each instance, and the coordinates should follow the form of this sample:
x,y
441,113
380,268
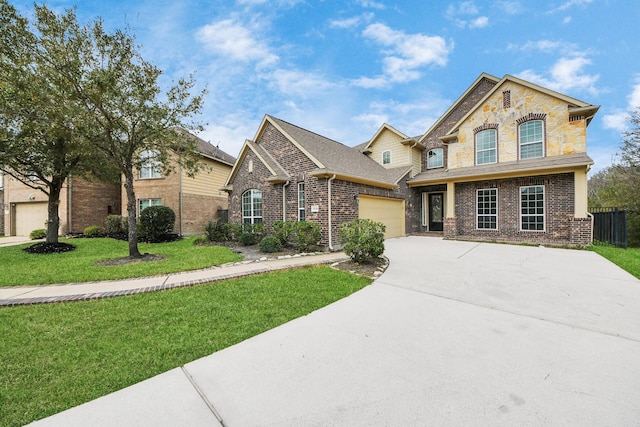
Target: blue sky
x,y
342,68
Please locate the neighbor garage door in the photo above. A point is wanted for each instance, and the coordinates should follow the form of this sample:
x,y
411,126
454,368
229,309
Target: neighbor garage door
x,y
29,217
390,212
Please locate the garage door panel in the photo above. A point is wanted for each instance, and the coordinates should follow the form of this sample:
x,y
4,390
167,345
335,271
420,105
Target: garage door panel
x,y
29,217
388,211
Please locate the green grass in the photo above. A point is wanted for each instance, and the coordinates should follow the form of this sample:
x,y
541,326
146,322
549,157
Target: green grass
x,y
21,268
628,259
56,356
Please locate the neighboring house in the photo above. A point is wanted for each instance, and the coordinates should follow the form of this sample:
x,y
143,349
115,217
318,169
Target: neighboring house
x,y
506,162
195,200
82,203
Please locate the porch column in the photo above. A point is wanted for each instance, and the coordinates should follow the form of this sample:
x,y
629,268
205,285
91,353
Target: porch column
x,y
450,224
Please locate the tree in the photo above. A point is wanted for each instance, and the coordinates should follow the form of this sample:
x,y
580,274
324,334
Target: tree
x,y
121,93
114,95
44,134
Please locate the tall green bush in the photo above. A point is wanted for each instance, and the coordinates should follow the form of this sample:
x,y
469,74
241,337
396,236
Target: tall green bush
x,y
218,231
93,231
156,222
115,224
363,239
283,231
307,235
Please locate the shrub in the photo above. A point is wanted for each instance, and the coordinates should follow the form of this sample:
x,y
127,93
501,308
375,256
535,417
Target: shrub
x,y
270,244
39,233
363,239
115,224
93,231
248,238
200,240
235,230
283,231
156,222
217,231
307,235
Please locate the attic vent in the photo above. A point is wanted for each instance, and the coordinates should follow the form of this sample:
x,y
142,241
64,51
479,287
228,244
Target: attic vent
x,y
506,99
575,118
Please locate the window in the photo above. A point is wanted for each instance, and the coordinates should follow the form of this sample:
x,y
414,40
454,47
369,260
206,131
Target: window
x,y
435,158
532,208
486,147
386,157
530,138
301,214
150,167
145,203
487,209
252,207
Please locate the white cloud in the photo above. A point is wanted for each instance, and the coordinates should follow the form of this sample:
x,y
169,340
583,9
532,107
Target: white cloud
x,y
566,75
569,4
479,22
465,15
371,4
566,20
404,54
617,120
510,7
350,22
293,82
236,42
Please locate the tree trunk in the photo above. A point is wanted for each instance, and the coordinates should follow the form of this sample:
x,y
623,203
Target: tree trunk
x,y
131,215
53,220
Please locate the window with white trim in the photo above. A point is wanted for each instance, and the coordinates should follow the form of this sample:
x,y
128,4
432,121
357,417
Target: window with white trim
x,y
435,158
486,147
150,165
531,139
252,207
386,157
301,212
532,208
145,203
487,209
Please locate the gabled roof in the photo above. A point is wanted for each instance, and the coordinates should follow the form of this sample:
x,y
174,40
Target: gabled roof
x,y
209,150
575,105
334,158
453,106
364,147
278,173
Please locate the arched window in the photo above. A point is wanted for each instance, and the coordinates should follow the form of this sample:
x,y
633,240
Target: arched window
x,y
486,147
435,158
531,139
252,206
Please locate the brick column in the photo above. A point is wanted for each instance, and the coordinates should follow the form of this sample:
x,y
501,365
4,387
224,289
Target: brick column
x,y
450,228
581,231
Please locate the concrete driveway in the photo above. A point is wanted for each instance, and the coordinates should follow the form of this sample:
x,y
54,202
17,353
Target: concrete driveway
x,y
454,333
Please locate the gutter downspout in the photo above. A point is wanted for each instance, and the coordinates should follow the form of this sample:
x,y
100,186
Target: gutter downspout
x,y
591,216
284,200
329,210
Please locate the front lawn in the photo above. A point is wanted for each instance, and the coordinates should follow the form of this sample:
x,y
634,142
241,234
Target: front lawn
x,y
56,356
21,268
628,259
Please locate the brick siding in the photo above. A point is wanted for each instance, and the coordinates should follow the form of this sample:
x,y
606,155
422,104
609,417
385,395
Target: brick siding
x,y
91,202
560,225
197,210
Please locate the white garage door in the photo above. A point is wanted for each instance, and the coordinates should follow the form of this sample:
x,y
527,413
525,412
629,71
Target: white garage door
x,y
390,212
29,217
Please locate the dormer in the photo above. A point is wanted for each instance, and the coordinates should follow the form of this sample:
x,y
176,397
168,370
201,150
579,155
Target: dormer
x,y
392,149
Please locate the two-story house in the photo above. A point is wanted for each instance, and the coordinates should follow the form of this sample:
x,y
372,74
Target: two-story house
x,y
506,162
194,199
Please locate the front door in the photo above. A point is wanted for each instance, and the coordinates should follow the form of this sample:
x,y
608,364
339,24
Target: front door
x,y
436,213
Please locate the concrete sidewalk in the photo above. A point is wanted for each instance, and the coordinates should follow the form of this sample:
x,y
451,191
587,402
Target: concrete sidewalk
x,y
27,295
